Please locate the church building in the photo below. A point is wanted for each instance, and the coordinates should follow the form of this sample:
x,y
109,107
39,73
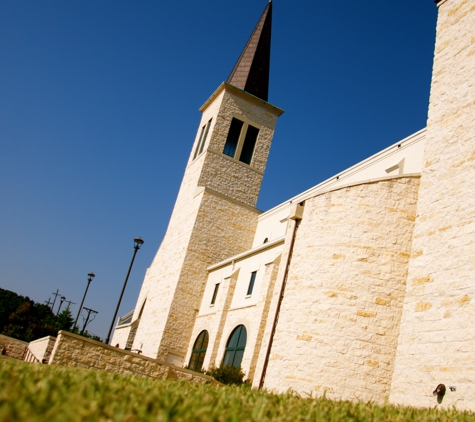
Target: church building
x,y
360,288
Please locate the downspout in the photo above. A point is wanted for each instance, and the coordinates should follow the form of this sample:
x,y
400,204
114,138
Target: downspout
x,y
296,213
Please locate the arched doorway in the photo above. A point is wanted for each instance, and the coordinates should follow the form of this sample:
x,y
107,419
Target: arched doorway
x,y
199,352
235,347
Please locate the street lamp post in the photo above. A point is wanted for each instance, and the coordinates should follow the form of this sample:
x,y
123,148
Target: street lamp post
x,y
90,276
138,242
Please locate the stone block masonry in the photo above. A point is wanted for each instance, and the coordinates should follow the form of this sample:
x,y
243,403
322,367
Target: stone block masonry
x,y
339,321
79,352
437,335
223,228
227,175
12,347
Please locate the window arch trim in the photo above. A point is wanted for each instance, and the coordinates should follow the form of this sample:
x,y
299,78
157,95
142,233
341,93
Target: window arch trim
x,y
235,347
198,352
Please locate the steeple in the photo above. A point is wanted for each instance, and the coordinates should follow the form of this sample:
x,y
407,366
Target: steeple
x,y
251,72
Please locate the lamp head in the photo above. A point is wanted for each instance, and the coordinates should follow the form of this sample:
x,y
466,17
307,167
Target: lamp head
x,y
90,276
138,242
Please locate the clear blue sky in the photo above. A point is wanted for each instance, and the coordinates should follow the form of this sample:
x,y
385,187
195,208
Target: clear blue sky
x,y
99,109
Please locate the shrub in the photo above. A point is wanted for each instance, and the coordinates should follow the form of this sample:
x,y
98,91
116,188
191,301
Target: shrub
x,y
227,375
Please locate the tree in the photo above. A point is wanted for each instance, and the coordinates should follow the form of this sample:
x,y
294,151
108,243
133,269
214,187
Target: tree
x,y
9,303
64,321
20,323
30,322
24,319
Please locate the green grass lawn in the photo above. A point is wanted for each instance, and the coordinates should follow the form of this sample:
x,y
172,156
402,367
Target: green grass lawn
x,y
32,392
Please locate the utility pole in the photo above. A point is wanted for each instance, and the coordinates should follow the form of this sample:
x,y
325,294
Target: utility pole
x,y
89,312
48,302
55,296
69,302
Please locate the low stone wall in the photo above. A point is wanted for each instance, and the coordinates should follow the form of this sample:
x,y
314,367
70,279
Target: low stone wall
x,y
80,352
40,350
12,347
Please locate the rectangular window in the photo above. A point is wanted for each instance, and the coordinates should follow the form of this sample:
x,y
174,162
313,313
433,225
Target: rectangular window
x,y
249,144
233,137
199,142
251,283
202,140
215,293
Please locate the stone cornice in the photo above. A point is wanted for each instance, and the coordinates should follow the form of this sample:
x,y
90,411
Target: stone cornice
x,y
243,94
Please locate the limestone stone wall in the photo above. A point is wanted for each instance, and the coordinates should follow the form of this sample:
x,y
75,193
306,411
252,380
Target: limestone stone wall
x,y
246,191
209,113
227,175
202,230
437,340
79,352
40,350
12,347
223,228
160,281
339,322
236,103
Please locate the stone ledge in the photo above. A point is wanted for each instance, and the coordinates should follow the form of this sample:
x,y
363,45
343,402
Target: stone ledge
x,y
243,94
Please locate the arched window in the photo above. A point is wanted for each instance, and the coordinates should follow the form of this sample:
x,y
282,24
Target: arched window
x,y
235,347
199,351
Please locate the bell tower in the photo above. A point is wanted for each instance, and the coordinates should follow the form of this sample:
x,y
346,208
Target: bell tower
x,y
214,216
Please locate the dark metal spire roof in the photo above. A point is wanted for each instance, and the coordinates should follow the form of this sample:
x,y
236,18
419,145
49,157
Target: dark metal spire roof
x,y
251,72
